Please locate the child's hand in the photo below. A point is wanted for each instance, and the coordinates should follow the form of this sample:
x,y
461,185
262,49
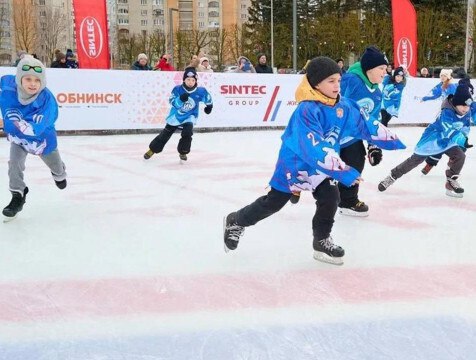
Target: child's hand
x,y
1,124
184,96
208,109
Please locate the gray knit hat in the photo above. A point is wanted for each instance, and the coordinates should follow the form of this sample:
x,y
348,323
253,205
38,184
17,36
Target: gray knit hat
x,y
29,66
321,68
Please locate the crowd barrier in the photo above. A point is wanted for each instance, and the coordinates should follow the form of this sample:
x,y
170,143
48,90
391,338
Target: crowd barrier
x,y
124,100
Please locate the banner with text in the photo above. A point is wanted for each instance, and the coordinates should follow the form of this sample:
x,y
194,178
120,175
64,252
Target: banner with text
x,y
92,41
404,21
125,99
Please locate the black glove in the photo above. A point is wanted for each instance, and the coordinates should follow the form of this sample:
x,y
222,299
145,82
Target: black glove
x,y
184,96
374,154
208,109
467,145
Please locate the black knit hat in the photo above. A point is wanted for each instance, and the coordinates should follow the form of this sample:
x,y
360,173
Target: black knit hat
x,y
321,68
190,72
462,95
371,58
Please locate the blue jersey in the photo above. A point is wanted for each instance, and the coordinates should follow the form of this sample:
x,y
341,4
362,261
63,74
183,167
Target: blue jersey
x,y
439,93
31,126
311,144
392,97
184,112
449,130
369,98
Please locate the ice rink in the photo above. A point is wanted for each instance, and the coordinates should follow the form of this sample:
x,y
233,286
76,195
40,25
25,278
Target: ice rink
x,y
127,262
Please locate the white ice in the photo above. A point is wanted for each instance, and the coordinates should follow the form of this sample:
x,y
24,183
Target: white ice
x,y
127,262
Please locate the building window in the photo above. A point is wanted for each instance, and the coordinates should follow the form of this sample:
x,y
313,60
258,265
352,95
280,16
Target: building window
x,y
244,16
43,13
201,14
213,14
143,12
41,2
143,22
143,2
201,24
123,11
200,4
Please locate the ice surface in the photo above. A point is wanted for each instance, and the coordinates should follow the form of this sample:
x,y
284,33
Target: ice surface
x,y
127,262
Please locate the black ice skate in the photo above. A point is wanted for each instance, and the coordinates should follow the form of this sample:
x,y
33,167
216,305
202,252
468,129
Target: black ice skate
x,y
427,169
385,183
148,154
231,232
61,184
183,158
326,251
15,206
453,188
360,210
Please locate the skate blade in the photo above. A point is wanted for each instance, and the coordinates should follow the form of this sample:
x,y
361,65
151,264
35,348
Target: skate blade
x,y
320,256
349,212
453,194
7,219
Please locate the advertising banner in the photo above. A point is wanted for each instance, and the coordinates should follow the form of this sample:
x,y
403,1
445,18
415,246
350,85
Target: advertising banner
x,y
126,99
404,35
92,42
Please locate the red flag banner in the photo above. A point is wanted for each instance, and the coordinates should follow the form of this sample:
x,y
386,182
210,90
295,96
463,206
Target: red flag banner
x,y
92,41
404,35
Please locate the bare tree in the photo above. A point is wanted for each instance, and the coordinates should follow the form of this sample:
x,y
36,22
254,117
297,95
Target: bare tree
x,y
24,25
218,46
52,24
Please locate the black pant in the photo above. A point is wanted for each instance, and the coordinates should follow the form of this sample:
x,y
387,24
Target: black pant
x,y
327,198
385,117
353,155
185,142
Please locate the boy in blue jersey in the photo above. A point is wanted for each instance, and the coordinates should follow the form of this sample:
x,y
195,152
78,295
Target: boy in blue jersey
x,y
183,115
392,95
309,158
447,135
29,113
361,84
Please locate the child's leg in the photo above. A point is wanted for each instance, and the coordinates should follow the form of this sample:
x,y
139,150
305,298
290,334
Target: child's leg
x,y
262,207
157,145
456,161
386,117
186,140
56,165
235,222
407,166
327,199
353,155
16,167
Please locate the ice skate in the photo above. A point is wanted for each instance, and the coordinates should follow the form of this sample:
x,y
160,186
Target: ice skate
x,y
231,232
15,206
148,154
359,210
326,251
183,158
427,169
61,184
385,183
453,188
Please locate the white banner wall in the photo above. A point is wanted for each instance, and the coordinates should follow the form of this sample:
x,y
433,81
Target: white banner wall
x,y
121,99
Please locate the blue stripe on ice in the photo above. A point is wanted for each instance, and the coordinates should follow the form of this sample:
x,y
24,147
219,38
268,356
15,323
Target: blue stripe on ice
x,y
420,338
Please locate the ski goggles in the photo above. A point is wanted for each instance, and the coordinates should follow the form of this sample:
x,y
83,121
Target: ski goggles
x,y
37,69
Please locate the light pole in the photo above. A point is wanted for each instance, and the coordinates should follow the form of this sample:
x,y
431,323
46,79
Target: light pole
x,y
171,30
294,35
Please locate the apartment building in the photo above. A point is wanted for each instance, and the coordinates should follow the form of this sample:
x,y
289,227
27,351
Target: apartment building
x,y
7,38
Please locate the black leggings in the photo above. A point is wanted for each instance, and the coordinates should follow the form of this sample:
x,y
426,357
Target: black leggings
x,y
353,155
185,142
326,195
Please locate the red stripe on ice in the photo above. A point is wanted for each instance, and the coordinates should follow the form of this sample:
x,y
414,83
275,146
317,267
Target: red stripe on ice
x,y
49,300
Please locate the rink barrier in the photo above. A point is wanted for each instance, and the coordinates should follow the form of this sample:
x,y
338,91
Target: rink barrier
x,y
103,102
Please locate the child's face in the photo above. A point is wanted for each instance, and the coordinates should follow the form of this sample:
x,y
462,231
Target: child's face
x,y
444,78
190,82
330,86
31,84
462,109
398,78
377,74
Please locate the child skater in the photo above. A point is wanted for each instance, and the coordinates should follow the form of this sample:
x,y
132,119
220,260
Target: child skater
x,y
392,95
448,135
441,91
29,113
361,84
309,158
183,114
